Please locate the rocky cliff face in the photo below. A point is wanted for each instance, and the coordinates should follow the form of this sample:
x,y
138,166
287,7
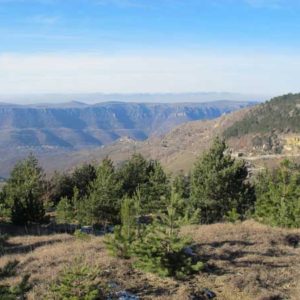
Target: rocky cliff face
x,y
77,125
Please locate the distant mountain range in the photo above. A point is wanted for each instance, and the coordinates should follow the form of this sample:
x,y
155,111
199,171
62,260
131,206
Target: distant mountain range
x,y
77,125
177,150
252,133
177,134
92,98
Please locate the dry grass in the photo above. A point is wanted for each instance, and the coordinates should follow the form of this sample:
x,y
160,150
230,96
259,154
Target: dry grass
x,y
249,257
243,261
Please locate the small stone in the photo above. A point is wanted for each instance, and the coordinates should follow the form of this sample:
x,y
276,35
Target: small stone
x,y
124,295
204,294
189,251
209,294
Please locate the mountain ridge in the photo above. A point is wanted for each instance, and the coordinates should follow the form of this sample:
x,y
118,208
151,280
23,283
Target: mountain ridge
x,y
178,149
78,125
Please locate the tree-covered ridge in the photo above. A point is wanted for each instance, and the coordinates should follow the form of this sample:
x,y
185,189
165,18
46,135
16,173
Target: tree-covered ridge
x,y
280,114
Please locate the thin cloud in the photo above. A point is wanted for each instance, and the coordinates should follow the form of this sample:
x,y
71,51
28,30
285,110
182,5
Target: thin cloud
x,y
80,73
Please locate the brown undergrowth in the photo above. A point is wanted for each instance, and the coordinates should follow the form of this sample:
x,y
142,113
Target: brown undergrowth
x,y
243,261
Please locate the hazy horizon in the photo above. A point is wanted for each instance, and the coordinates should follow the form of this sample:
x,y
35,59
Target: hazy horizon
x,y
158,46
94,98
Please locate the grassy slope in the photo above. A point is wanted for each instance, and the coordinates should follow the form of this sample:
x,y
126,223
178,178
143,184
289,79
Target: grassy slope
x,y
244,261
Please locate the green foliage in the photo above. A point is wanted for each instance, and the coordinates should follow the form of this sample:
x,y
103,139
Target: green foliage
x,y
133,174
66,208
82,211
280,114
23,287
60,186
64,211
102,205
17,291
146,176
24,192
164,254
181,185
232,216
77,282
219,184
158,247
161,249
278,196
82,235
119,243
185,213
63,185
92,202
82,178
155,189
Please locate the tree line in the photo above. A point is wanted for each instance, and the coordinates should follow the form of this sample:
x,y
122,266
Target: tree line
x,y
218,188
269,117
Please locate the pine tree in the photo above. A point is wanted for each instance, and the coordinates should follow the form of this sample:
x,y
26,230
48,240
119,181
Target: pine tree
x,y
62,185
77,282
133,174
102,204
24,192
219,184
161,249
147,176
82,177
181,185
66,208
155,189
278,196
83,211
58,187
120,242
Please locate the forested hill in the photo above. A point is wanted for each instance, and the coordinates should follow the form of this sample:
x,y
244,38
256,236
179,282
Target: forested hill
x,y
280,114
77,125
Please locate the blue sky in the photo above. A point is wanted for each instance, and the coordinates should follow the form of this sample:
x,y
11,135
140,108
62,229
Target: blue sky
x,y
149,46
